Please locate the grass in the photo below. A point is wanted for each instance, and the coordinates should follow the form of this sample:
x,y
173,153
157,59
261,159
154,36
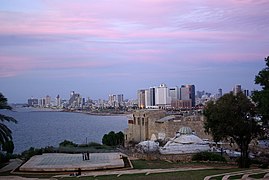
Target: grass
x,y
257,176
158,164
183,175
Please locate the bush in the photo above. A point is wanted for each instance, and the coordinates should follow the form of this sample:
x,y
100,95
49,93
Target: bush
x,y
208,156
4,158
66,143
91,144
113,139
8,147
31,152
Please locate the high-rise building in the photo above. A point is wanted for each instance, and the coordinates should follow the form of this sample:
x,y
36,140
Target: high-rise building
x,y
120,99
237,89
112,100
32,102
246,92
162,97
75,100
152,94
141,99
174,93
219,92
58,101
47,101
187,92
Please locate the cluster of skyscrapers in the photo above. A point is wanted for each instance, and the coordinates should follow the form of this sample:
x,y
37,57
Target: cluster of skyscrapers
x,y
156,97
164,97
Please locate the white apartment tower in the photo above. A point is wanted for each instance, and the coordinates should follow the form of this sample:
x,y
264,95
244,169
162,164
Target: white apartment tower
x,y
162,96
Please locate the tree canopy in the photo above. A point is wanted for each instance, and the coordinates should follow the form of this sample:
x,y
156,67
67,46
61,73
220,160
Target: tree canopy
x,y
232,117
113,139
5,132
261,98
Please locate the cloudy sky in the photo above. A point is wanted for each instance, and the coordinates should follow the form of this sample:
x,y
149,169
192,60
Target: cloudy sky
x,y
101,47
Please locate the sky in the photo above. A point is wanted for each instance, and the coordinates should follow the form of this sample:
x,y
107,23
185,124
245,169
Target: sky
x,y
102,47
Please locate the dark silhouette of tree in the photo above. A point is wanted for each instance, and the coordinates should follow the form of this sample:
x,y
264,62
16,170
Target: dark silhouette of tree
x,y
261,98
5,132
8,147
232,117
113,139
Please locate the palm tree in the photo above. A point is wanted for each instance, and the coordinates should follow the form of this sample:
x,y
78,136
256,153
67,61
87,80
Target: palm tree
x,y
5,132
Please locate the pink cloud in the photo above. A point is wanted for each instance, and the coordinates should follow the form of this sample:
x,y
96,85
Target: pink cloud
x,y
14,65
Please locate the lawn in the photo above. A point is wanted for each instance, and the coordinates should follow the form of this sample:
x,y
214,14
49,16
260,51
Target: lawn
x,y
182,175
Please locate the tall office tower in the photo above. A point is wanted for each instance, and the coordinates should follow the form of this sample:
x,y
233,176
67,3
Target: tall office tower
x,y
42,102
120,98
246,92
75,100
162,98
112,100
219,92
173,93
58,101
237,89
141,99
187,92
32,102
200,94
47,101
152,94
147,98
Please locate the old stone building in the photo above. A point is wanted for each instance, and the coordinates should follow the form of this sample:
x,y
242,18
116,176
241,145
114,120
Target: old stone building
x,y
158,124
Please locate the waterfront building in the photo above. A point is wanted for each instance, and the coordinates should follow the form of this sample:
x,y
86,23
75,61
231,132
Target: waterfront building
x,y
58,101
32,102
47,101
120,99
75,100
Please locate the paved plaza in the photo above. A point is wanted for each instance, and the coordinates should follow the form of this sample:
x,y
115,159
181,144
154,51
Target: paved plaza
x,y
72,162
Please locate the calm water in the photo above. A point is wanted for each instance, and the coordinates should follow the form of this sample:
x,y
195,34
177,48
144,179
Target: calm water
x,y
41,129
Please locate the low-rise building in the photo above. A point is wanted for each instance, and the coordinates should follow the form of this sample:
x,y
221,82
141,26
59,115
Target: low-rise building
x,y
157,124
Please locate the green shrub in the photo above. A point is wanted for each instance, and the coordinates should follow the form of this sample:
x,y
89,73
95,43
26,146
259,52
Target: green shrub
x,y
30,153
68,143
113,139
208,156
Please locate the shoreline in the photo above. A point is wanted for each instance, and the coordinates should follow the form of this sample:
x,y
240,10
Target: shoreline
x,y
33,109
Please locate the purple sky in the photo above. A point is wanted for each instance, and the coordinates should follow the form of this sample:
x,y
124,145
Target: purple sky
x,y
101,47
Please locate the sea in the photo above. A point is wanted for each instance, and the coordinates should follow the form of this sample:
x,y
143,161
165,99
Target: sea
x,y
38,128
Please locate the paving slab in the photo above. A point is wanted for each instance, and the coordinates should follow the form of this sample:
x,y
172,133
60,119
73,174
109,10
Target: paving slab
x,y
72,162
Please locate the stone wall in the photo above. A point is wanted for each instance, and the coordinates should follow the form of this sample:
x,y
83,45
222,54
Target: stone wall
x,y
164,157
145,123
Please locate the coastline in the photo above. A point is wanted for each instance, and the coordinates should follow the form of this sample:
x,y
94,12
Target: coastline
x,y
37,109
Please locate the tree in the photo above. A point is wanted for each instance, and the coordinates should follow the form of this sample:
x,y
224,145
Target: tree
x,y
113,139
261,98
232,117
5,132
8,147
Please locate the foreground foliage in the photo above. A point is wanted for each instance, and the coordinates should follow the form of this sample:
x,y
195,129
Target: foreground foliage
x,y
5,132
232,117
113,139
208,156
262,97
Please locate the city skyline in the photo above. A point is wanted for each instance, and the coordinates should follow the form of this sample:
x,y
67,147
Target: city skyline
x,y
99,48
